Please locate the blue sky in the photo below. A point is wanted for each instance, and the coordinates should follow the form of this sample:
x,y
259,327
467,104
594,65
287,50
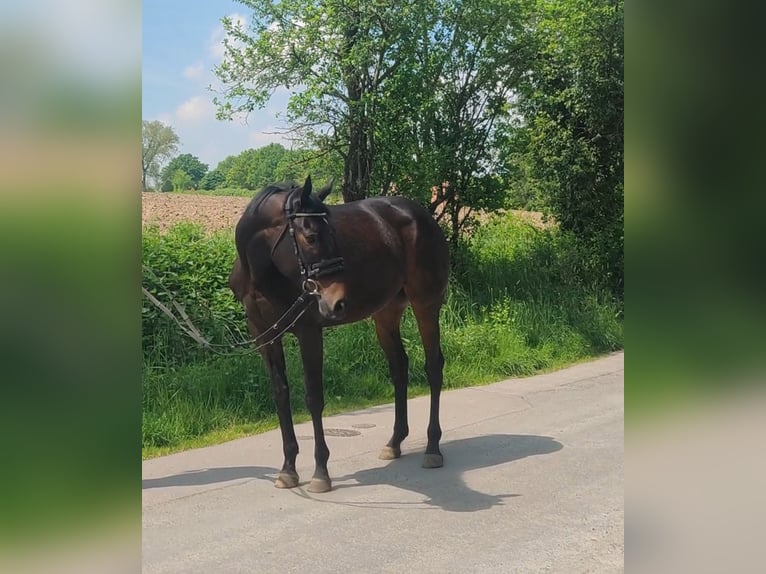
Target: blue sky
x,y
181,44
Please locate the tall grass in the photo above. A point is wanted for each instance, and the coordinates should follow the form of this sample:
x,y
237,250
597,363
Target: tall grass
x,y
516,305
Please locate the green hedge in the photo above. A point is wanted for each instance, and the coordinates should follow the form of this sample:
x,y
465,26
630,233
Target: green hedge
x,y
188,266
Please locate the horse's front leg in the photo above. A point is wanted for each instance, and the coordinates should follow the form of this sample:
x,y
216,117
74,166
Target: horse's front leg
x,y
274,356
310,340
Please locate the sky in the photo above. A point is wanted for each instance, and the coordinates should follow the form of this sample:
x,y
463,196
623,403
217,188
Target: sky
x,y
181,44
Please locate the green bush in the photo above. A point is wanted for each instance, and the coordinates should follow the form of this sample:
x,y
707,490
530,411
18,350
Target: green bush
x,y
192,268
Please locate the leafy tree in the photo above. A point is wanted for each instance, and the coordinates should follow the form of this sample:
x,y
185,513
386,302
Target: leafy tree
x,y
180,180
518,176
255,168
187,163
159,143
214,179
342,51
225,165
295,165
447,114
573,104
410,94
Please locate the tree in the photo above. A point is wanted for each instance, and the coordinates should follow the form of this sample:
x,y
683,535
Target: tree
x,y
573,106
296,165
225,165
255,168
447,114
187,163
159,142
180,180
342,51
410,94
214,179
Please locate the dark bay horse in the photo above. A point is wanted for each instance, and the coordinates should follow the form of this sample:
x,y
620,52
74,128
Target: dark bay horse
x,y
367,258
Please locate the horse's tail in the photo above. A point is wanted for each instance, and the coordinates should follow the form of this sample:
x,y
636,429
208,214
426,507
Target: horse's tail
x,y
241,273
238,280
243,233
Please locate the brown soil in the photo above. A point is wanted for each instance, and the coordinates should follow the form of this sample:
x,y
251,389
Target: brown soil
x,y
216,213
213,212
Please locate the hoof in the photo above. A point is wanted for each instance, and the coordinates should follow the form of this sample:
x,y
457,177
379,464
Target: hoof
x,y
319,485
286,480
390,453
433,461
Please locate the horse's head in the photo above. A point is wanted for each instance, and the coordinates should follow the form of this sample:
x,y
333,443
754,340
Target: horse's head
x,y
318,257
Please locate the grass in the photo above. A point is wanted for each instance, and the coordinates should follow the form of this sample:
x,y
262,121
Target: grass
x,y
223,191
515,308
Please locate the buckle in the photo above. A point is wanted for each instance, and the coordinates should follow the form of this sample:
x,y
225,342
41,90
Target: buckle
x,y
311,287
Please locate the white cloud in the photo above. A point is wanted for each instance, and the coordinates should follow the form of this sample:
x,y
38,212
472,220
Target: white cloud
x,y
193,71
218,34
194,109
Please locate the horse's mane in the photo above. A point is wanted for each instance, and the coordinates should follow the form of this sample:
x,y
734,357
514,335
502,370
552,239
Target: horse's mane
x,y
248,222
271,189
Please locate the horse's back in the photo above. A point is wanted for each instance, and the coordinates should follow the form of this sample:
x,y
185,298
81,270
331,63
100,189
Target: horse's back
x,y
408,229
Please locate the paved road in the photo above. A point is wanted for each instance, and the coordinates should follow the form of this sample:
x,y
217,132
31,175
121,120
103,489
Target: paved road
x,y
532,482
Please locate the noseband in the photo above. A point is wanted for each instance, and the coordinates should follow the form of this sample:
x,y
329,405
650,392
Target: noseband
x,y
309,273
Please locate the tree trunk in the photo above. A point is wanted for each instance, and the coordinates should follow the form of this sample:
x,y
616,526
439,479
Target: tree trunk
x,y
454,224
357,163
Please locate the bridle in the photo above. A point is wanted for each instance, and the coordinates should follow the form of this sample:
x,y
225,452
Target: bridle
x,y
308,272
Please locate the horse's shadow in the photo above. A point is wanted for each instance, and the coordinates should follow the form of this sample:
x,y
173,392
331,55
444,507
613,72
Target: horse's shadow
x,y
446,487
211,476
443,488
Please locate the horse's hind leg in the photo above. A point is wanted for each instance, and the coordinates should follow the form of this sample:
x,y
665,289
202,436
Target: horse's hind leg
x,y
428,324
274,357
387,322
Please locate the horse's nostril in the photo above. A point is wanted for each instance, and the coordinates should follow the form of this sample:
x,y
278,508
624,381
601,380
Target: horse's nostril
x,y
340,307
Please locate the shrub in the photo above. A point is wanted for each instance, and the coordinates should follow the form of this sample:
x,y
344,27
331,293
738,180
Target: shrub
x,y
192,268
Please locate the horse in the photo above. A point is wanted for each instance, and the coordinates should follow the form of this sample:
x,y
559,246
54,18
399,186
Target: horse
x,y
366,258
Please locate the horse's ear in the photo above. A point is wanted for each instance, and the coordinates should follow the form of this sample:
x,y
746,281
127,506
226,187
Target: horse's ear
x,y
325,191
306,193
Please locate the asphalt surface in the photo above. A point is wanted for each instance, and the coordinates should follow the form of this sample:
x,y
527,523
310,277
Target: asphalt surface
x,y
532,482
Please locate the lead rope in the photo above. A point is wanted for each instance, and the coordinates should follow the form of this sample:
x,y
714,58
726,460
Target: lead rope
x,y
302,303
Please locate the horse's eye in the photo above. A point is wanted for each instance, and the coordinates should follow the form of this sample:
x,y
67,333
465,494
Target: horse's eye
x,y
311,238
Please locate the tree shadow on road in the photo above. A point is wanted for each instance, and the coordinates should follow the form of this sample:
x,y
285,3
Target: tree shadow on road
x,y
446,487
211,476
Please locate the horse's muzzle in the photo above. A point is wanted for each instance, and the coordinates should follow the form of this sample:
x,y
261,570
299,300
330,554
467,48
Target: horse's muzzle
x,y
336,311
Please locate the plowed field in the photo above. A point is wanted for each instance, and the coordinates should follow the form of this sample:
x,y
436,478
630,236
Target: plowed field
x,y
213,212
216,212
